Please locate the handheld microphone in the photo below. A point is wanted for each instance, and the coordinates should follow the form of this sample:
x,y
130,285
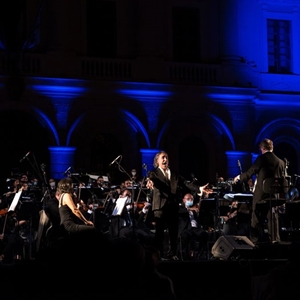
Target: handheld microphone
x,y
115,160
67,170
24,157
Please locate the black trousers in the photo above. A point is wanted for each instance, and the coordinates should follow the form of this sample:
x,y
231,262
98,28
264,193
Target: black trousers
x,y
168,219
267,226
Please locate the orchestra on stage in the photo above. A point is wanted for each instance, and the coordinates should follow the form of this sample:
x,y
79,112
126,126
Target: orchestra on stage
x,y
120,210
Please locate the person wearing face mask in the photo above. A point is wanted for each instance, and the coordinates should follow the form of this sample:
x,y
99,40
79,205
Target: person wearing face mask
x,y
52,187
192,236
52,183
34,183
134,177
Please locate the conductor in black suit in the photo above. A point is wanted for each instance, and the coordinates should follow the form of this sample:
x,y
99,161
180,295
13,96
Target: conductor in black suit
x,y
167,188
266,165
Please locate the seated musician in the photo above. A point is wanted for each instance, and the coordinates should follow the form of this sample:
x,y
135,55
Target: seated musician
x,y
101,183
130,222
9,195
52,187
12,226
237,220
193,237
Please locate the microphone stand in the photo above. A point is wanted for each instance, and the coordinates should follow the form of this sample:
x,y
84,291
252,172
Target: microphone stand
x,y
243,183
46,185
144,166
217,208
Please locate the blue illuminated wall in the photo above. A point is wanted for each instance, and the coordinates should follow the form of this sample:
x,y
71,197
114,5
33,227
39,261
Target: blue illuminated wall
x,y
61,159
243,104
62,93
237,103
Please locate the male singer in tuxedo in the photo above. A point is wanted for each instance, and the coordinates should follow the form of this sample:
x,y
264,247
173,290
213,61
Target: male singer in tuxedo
x,y
167,188
266,165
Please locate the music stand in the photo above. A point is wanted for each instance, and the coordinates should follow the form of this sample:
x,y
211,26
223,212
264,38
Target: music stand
x,y
275,187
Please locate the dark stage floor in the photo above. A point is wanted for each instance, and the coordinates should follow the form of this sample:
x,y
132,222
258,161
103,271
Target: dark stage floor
x,y
215,279
210,278
230,278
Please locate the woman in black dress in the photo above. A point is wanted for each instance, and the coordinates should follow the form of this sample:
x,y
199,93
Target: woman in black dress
x,y
71,217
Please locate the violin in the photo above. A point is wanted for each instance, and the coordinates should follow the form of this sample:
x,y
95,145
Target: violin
x,y
3,211
195,207
83,206
139,205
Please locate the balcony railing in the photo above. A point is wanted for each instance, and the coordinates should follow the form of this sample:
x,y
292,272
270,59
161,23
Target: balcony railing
x,y
72,66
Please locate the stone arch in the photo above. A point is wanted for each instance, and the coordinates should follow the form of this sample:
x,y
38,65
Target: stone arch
x,y
100,140
188,125
284,132
220,127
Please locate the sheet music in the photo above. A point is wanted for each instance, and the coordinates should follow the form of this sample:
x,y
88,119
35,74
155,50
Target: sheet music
x,y
105,178
243,194
231,197
15,201
120,203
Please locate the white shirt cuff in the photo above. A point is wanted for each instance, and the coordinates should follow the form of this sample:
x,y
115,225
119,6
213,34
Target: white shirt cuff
x,y
201,191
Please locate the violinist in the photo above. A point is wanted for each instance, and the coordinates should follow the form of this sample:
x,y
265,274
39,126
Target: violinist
x,y
9,195
10,236
130,222
119,221
71,216
192,236
237,219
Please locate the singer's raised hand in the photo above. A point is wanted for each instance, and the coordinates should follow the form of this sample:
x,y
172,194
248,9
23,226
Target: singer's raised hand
x,y
149,184
205,190
236,179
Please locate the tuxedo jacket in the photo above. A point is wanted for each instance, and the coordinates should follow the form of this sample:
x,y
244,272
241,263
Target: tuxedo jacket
x,y
266,165
168,190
